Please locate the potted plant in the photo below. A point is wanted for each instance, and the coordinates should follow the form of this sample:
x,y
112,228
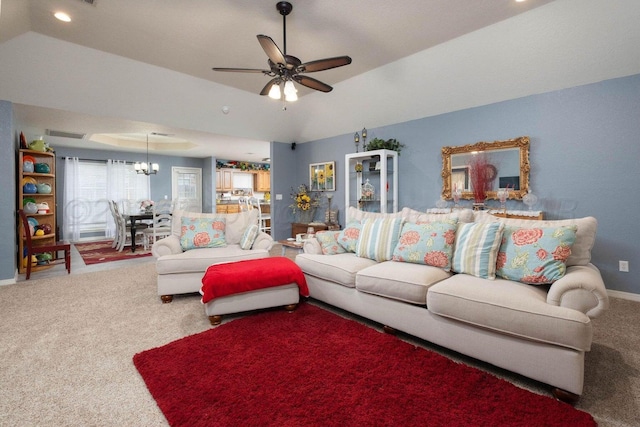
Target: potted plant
x,y
389,144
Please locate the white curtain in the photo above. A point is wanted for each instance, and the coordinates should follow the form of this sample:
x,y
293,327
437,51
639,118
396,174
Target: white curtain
x,y
71,199
116,190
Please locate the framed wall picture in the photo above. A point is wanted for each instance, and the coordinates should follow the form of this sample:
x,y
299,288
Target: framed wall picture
x,y
322,176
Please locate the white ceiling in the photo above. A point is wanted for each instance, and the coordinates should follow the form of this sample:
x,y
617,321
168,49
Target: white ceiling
x,y
383,37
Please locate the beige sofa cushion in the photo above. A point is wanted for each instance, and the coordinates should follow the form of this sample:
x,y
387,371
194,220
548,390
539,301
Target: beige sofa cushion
x,y
399,280
510,307
462,215
236,223
355,214
585,236
340,268
197,260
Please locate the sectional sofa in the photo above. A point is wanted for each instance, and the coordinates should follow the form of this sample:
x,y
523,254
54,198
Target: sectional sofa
x,y
462,300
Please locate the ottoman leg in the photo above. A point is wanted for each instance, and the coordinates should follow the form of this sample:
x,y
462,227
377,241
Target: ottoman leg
x,y
291,307
166,299
215,320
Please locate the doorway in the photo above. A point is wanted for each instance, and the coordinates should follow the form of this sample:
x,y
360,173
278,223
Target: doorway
x,y
186,188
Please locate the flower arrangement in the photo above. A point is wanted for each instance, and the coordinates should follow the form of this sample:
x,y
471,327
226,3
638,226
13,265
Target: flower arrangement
x,y
479,176
146,204
303,199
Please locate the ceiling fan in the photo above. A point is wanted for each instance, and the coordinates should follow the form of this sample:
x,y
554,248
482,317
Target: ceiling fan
x,y
285,69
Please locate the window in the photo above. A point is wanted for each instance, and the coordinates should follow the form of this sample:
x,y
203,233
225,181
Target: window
x,y
95,187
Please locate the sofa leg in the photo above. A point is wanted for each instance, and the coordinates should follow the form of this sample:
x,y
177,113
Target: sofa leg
x,y
215,320
291,307
166,299
565,396
389,330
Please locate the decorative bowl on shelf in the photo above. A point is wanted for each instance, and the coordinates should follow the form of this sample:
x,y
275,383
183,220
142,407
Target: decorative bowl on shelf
x,y
29,188
42,168
30,208
28,158
43,188
27,166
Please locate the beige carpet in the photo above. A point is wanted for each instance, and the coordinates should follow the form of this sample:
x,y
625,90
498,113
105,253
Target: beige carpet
x,y
67,344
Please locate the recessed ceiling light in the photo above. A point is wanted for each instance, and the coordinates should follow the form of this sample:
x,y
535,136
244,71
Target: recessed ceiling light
x,y
62,16
520,1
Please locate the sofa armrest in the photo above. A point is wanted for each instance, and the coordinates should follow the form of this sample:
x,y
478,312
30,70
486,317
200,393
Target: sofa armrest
x,y
263,241
170,245
312,246
582,289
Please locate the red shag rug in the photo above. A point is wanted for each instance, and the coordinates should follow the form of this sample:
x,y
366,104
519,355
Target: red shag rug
x,y
99,252
314,368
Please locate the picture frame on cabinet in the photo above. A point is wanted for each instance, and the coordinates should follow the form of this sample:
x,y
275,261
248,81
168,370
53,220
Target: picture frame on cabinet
x,y
322,176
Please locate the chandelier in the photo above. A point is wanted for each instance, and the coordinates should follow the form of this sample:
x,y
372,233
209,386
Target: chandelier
x,y
146,167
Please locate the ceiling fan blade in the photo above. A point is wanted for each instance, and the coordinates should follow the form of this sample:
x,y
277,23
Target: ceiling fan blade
x,y
272,50
265,90
312,83
324,64
241,70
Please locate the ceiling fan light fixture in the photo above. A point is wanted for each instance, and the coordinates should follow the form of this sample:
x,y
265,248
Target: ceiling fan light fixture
x,y
274,92
290,91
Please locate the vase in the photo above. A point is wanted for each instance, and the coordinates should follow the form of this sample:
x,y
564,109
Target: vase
x,y
305,217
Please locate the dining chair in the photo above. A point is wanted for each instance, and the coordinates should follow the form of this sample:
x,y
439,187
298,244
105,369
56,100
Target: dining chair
x,y
254,203
112,208
123,232
43,247
244,205
161,225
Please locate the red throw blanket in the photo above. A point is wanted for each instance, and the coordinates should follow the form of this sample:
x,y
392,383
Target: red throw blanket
x,y
243,276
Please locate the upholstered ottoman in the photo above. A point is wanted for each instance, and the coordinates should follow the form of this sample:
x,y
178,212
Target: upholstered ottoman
x,y
254,284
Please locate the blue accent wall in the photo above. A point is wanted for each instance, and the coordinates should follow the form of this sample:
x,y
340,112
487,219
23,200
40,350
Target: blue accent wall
x,y
585,149
8,152
285,167
584,157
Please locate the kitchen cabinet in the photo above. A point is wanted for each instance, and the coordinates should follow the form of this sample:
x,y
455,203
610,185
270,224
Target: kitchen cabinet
x,y
40,198
227,208
224,179
262,181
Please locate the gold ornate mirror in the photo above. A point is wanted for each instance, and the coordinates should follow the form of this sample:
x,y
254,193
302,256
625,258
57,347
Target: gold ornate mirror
x,y
508,163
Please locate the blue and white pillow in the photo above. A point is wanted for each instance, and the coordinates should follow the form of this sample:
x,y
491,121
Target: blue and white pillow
x,y
249,237
378,238
477,248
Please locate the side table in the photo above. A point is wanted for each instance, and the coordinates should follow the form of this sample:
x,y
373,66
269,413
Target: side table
x,y
301,227
291,244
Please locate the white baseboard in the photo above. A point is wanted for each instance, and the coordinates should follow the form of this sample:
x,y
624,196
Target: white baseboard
x,y
10,281
624,295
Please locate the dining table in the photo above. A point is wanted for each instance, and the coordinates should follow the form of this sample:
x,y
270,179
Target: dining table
x,y
133,220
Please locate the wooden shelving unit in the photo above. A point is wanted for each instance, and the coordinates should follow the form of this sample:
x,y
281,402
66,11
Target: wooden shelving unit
x,y
50,199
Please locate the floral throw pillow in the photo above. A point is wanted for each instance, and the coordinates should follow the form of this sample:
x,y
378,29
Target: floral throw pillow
x,y
429,243
535,256
348,237
329,242
198,233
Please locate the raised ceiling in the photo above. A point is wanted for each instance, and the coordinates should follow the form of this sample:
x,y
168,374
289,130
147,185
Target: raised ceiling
x,y
411,59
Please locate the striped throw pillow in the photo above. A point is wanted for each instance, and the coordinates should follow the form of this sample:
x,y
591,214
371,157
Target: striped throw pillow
x,y
378,238
477,248
249,237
